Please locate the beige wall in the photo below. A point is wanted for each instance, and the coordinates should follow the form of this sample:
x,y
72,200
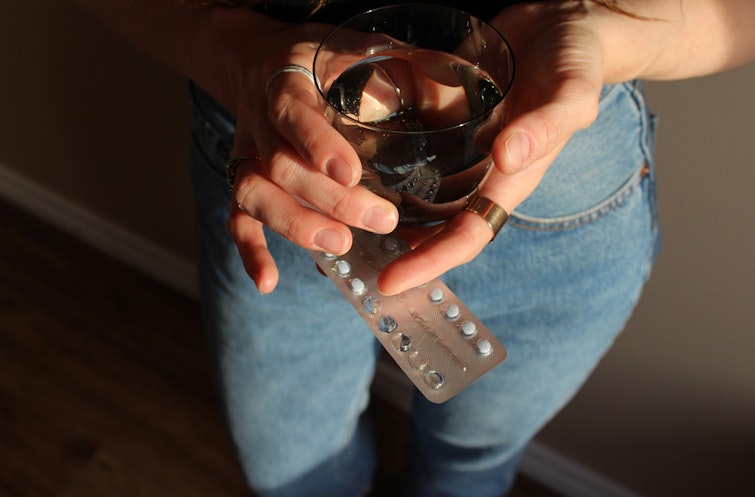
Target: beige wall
x,y
85,114
669,412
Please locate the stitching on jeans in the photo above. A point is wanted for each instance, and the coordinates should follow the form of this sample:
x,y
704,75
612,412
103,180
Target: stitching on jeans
x,y
599,211
612,202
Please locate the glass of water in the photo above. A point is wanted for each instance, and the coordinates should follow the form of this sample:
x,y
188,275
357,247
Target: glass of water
x,y
419,91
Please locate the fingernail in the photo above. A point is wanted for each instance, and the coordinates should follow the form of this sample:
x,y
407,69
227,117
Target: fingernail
x,y
379,220
331,241
258,283
517,151
340,171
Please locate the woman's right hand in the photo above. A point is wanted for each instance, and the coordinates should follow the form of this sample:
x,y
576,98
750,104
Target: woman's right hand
x,y
305,184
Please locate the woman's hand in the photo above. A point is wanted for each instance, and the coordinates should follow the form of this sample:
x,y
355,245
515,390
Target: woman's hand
x,y
232,53
305,185
559,76
565,52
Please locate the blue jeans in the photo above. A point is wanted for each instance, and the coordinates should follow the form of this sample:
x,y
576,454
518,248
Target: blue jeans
x,y
557,286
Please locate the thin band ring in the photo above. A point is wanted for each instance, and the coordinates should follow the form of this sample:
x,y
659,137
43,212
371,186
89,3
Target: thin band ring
x,y
492,213
232,166
288,68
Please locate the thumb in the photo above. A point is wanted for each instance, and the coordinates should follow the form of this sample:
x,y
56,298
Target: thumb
x,y
537,133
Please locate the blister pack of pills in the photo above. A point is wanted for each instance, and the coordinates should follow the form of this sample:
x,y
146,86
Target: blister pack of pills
x,y
434,338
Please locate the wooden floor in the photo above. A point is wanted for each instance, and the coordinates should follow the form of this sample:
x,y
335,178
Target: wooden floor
x,y
104,386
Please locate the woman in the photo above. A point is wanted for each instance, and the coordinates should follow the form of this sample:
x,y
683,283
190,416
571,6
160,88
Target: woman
x,y
573,166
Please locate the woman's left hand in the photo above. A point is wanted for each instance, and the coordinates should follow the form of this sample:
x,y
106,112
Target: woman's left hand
x,y
559,77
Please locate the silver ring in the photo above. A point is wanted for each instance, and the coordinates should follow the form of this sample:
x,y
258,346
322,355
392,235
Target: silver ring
x,y
492,213
288,68
232,166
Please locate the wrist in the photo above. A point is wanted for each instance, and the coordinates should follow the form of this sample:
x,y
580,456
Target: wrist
x,y
631,42
231,49
664,40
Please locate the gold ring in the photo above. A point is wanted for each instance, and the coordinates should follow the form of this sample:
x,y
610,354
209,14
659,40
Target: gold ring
x,y
232,166
289,68
492,213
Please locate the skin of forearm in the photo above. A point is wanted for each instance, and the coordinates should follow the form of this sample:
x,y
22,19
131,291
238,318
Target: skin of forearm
x,y
676,39
209,45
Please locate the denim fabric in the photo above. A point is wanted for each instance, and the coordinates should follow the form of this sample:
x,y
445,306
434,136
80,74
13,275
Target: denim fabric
x,y
557,286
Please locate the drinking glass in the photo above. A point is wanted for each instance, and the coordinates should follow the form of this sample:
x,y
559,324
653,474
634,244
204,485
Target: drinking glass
x,y
419,91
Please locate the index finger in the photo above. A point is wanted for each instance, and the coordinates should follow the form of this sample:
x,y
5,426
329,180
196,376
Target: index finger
x,y
457,243
295,111
464,236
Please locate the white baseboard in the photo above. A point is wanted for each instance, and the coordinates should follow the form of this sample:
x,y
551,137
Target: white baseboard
x,y
566,476
99,232
540,463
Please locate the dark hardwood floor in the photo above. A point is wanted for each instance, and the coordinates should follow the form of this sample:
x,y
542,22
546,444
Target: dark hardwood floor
x,y
105,390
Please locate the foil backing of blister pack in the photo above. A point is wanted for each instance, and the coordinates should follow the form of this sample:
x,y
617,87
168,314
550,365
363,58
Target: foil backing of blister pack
x,y
433,337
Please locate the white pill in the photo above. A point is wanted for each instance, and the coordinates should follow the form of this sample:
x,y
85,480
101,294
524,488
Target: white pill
x,y
357,286
343,268
484,347
468,329
436,295
452,311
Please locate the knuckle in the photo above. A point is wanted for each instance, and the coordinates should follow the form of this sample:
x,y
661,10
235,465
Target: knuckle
x,y
341,206
584,105
291,226
551,129
245,193
282,170
279,106
314,147
581,103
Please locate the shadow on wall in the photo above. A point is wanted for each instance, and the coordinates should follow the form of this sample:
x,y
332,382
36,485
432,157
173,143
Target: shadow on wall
x,y
92,118
670,410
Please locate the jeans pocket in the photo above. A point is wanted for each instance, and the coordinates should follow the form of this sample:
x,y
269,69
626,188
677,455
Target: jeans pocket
x,y
598,169
211,131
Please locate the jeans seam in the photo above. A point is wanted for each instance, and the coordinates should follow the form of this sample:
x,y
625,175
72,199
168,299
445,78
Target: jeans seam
x,y
609,205
202,132
645,123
